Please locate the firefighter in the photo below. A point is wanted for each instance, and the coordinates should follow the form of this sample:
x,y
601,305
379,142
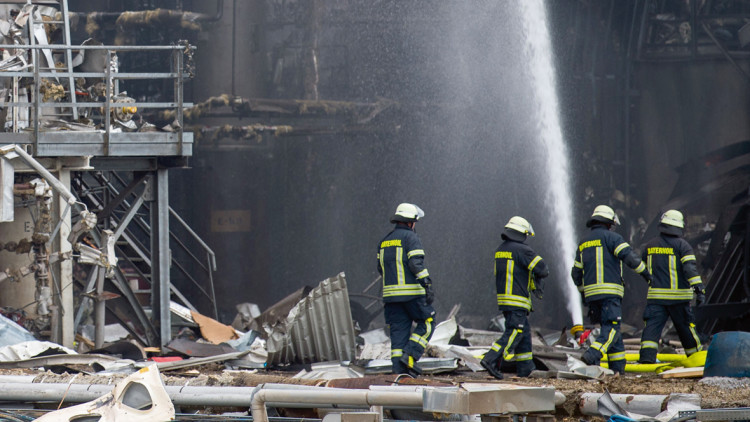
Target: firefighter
x,y
597,271
675,278
519,271
407,290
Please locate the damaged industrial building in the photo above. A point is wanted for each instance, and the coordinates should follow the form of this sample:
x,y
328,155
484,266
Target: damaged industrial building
x,y
194,195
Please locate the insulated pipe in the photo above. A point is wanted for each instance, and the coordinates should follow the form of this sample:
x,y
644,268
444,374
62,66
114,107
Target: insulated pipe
x,y
326,396
52,180
80,393
22,389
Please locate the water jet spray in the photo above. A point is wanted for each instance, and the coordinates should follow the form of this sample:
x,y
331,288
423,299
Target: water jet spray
x,y
538,48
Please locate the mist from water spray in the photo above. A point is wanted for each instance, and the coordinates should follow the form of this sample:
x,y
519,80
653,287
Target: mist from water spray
x,y
542,72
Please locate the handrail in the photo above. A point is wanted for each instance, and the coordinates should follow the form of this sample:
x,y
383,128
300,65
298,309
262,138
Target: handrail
x,y
95,47
108,184
195,236
36,71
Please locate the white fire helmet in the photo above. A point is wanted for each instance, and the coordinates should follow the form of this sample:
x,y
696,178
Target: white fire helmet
x,y
604,214
406,213
520,225
673,218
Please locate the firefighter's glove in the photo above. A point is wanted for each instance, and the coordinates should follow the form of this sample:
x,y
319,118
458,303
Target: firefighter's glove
x,y
538,293
429,293
646,276
700,296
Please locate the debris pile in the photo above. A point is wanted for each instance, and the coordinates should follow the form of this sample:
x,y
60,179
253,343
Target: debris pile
x,y
306,351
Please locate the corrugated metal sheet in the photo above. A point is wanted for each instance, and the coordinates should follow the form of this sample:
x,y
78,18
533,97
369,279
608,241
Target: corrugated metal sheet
x,y
318,329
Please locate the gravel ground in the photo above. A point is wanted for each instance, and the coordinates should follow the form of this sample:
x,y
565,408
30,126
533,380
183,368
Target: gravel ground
x,y
715,392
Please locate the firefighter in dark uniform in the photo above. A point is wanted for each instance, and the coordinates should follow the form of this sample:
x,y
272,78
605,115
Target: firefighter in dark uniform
x,y
407,290
597,271
675,277
518,272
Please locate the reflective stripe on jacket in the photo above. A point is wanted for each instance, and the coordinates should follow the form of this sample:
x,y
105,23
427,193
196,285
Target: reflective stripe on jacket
x,y
597,269
518,271
674,272
401,263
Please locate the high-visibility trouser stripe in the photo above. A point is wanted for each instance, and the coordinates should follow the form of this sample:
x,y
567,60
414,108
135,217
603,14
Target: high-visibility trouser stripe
x,y
513,300
415,252
604,347
423,340
411,361
534,262
418,339
693,350
605,288
506,352
673,272
695,337
400,266
649,344
615,356
687,258
524,356
397,353
669,294
620,247
422,274
695,280
639,269
495,347
599,265
428,328
578,265
403,290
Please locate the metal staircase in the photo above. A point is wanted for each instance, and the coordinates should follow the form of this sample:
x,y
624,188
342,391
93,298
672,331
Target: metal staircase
x,y
122,203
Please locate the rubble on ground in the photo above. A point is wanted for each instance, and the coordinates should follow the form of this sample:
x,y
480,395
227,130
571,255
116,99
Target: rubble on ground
x,y
282,346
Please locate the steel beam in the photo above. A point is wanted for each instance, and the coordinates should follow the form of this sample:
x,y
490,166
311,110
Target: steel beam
x,y
160,257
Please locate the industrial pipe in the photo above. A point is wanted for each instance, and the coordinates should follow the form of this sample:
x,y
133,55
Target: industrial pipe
x,y
81,393
327,396
52,180
22,389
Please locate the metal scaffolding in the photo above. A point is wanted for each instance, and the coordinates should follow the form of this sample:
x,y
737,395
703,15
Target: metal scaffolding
x,y
75,109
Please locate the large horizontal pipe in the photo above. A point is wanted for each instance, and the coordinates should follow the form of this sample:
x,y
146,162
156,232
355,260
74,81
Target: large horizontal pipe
x,y
337,396
22,389
80,393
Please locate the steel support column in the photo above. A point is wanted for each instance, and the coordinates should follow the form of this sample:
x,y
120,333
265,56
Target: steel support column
x,y
65,278
160,257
